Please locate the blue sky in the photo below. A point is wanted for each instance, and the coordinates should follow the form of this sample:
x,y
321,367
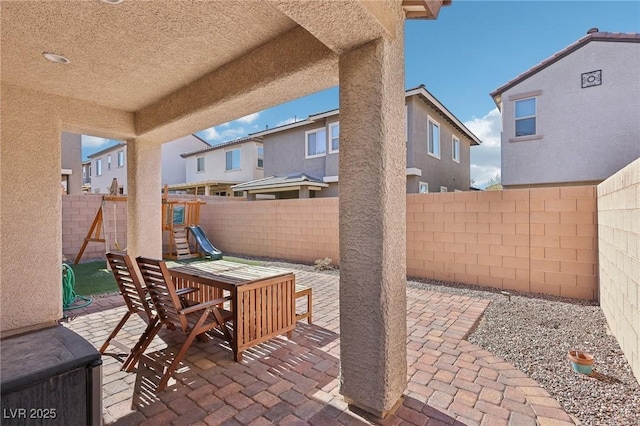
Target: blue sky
x,y
473,47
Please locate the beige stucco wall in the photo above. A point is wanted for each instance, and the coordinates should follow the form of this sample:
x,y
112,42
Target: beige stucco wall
x,y
72,160
30,222
619,243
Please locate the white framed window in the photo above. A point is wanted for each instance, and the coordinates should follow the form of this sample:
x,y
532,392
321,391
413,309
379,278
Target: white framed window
x,y
200,164
525,116
423,188
455,149
84,173
99,167
315,143
260,158
120,158
433,137
334,137
233,160
443,189
109,162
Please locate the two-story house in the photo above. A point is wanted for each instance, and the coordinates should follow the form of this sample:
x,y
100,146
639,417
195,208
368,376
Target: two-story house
x,y
86,176
110,163
301,158
573,119
215,169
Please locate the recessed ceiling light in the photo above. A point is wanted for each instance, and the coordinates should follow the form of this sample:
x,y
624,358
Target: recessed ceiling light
x,y
112,1
59,59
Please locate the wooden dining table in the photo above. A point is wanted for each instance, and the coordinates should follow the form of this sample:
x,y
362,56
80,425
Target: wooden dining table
x,y
262,298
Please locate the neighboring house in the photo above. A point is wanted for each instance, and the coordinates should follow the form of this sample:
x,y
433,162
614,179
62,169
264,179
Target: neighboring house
x,y
215,169
106,165
573,119
301,158
111,163
86,176
71,154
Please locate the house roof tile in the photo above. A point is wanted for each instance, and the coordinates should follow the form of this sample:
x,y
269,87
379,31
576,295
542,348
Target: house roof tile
x,y
223,145
591,36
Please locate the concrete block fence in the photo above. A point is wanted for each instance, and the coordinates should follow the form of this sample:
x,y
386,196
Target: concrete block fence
x,y
619,247
534,240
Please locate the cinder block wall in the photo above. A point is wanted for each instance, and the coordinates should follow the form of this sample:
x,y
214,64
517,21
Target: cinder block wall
x,y
619,242
299,230
533,240
538,240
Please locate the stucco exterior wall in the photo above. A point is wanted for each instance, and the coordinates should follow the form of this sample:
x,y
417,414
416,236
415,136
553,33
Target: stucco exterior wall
x,y
619,245
587,133
101,184
72,160
215,165
284,153
441,171
174,167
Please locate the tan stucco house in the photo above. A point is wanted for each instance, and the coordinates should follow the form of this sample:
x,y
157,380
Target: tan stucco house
x,y
109,69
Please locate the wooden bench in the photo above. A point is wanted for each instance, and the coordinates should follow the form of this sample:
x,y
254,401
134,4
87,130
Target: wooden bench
x,y
303,291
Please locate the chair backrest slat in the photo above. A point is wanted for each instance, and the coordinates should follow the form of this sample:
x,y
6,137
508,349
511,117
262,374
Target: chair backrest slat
x,y
162,291
129,283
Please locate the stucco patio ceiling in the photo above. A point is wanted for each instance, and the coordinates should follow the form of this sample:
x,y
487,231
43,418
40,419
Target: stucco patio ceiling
x,y
149,56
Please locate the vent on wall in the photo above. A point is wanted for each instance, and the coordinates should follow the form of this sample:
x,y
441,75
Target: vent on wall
x,y
591,78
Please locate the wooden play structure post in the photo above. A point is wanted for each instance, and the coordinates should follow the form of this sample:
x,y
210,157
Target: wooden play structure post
x,y
178,235
97,226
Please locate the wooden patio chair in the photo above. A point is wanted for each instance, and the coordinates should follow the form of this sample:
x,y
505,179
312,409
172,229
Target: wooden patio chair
x,y
193,320
135,297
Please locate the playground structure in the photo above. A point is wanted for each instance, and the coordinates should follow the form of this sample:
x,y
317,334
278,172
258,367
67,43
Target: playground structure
x,y
180,219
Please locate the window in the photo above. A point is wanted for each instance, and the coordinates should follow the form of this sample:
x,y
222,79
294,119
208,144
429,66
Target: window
x,y
316,143
443,189
109,162
99,167
233,159
260,157
238,193
334,134
455,149
526,117
424,188
200,164
84,173
120,158
433,138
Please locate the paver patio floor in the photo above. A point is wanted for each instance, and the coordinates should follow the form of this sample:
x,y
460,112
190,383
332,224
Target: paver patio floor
x,y
296,381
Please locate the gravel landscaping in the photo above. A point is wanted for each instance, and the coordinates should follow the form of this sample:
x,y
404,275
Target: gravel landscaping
x,y
535,332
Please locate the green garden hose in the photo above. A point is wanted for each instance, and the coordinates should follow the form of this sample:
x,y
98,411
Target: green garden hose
x,y
69,296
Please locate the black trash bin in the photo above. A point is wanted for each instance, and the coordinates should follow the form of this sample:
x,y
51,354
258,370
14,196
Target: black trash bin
x,y
50,377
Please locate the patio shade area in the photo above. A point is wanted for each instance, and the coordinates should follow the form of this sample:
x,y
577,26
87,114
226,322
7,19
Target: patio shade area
x,y
296,381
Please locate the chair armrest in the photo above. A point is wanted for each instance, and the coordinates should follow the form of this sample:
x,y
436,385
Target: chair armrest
x,y
186,290
204,305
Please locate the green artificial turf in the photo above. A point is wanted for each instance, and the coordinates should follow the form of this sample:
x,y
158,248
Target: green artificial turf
x,y
93,278
240,260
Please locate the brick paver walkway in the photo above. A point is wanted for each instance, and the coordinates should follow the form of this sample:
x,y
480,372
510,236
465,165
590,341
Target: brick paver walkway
x,y
451,381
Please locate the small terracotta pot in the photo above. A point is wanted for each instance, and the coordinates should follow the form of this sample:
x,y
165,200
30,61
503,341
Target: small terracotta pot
x,y
582,362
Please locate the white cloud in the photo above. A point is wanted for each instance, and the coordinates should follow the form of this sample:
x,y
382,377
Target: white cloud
x,y
223,133
249,118
211,134
485,159
93,141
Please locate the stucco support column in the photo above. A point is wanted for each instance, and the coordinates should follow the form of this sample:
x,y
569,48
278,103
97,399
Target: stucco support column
x,y
144,199
373,328
30,222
